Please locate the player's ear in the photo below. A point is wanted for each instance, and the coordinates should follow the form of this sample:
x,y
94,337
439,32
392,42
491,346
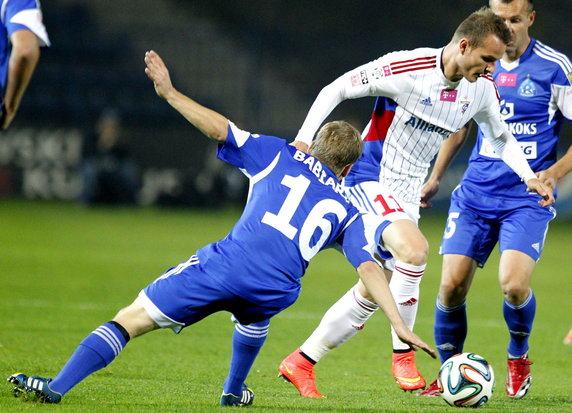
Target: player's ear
x,y
531,18
346,170
463,46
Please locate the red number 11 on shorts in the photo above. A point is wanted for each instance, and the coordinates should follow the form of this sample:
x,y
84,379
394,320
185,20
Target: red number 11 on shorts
x,y
385,203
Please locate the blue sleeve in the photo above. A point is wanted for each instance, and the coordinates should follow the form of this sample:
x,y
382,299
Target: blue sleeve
x,y
356,247
14,7
249,152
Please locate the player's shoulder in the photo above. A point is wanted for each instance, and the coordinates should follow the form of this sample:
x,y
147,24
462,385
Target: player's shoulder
x,y
550,58
421,52
402,61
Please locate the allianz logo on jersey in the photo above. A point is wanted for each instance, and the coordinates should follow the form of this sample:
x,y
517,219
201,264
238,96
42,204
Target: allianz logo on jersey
x,y
528,149
420,124
516,128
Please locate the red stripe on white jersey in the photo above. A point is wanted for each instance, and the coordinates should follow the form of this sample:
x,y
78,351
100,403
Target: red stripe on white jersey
x,y
417,67
489,77
418,60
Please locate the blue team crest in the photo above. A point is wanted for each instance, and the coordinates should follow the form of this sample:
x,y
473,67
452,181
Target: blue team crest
x,y
527,88
506,109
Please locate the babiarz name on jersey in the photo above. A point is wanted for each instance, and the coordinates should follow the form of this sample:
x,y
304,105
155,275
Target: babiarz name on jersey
x,y
426,126
317,169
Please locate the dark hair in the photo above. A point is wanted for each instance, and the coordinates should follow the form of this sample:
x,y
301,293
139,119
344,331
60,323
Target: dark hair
x,y
530,4
479,25
337,144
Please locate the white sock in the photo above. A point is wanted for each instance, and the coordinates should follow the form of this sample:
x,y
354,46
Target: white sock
x,y
404,286
340,323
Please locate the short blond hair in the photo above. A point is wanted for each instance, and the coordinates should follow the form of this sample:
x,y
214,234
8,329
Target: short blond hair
x,y
479,25
337,144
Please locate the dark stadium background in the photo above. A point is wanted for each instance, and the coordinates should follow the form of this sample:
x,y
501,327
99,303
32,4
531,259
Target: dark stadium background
x,y
261,63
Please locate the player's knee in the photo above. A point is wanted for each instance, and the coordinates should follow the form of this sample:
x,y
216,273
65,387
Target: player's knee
x,y
451,294
415,253
515,293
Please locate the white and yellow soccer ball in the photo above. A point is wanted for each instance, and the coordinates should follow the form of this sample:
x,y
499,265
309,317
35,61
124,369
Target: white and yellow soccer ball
x,y
466,380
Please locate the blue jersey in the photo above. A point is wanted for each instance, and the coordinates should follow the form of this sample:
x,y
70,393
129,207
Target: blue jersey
x,y
18,15
296,207
536,97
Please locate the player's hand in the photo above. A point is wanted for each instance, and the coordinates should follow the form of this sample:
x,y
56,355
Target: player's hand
x,y
158,73
409,337
548,178
301,146
428,191
534,185
6,117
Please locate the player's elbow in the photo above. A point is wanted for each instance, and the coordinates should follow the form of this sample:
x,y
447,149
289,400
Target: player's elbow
x,y
27,54
25,46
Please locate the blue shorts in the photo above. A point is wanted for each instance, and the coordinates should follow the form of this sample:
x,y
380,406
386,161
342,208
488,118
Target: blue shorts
x,y
186,294
476,222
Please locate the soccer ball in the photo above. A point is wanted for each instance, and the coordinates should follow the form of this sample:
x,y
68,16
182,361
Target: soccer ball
x,y
466,380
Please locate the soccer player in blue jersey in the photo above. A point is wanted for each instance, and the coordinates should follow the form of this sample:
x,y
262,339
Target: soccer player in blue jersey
x,y
491,205
296,207
22,35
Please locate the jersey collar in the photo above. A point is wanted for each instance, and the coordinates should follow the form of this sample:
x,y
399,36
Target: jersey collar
x,y
524,57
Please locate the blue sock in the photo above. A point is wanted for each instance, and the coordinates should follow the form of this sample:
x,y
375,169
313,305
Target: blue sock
x,y
519,321
246,343
450,329
95,352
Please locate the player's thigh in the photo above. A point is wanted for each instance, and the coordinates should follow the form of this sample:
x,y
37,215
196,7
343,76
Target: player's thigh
x,y
135,319
406,242
469,231
183,296
401,238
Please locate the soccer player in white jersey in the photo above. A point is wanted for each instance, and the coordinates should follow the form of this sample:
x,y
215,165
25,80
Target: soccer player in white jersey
x,y
296,207
491,205
22,33
425,95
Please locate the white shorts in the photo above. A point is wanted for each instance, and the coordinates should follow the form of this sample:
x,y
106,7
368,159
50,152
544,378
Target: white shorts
x,y
381,207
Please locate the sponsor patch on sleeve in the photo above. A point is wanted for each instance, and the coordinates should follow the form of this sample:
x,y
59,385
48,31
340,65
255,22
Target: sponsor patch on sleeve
x,y
359,78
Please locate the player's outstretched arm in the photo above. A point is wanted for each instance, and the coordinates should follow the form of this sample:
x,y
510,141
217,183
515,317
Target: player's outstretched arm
x,y
374,280
212,124
23,62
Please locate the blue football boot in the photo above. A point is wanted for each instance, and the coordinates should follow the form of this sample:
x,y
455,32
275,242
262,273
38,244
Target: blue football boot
x,y
246,399
34,385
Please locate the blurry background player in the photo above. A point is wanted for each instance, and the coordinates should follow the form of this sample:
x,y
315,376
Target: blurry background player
x,y
424,96
491,205
22,35
296,207
109,173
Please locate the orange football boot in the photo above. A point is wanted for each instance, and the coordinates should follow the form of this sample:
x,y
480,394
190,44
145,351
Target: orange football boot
x,y
299,371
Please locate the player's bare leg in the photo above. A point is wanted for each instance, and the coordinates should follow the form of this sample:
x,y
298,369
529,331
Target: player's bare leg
x,y
519,308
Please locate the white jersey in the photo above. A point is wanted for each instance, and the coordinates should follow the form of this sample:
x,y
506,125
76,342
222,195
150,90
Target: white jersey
x,y
418,108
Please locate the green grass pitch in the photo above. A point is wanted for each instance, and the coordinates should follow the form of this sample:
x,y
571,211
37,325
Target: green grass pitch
x,y
65,270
